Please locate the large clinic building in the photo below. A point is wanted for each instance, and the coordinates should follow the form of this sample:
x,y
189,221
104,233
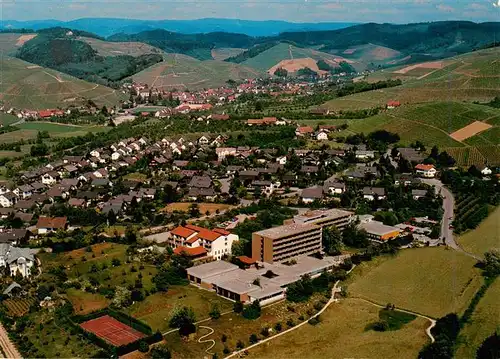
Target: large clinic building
x,y
301,235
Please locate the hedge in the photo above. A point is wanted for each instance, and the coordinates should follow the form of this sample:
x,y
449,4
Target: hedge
x,y
120,316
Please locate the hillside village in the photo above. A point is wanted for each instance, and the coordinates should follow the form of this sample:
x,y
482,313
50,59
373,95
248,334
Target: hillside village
x,y
301,213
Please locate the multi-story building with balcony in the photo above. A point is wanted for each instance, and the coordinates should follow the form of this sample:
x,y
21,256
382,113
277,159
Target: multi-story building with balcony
x,y
325,218
281,243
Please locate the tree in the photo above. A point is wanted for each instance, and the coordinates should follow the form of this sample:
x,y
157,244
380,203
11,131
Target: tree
x,y
490,348
184,319
253,339
353,237
301,290
332,240
143,346
492,263
252,311
39,149
160,352
238,306
214,312
194,210
281,72
122,297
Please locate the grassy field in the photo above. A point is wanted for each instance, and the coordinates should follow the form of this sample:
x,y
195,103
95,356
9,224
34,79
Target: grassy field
x,y
108,48
10,42
484,237
181,71
483,323
236,328
29,130
157,309
84,302
342,334
223,53
431,281
469,77
203,207
6,119
29,86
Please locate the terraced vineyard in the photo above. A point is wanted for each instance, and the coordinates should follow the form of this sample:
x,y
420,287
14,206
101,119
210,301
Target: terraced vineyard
x,y
470,210
19,306
477,156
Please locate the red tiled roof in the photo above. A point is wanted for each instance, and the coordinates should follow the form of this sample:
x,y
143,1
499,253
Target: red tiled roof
x,y
182,232
204,233
424,167
52,222
305,129
192,240
247,260
222,231
192,252
394,103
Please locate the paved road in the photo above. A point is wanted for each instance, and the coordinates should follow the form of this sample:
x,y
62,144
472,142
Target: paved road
x,y
448,216
7,346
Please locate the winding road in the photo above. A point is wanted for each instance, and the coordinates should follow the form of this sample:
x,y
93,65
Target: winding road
x,y
202,340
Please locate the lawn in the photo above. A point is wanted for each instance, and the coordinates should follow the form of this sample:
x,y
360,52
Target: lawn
x,y
6,119
342,334
157,309
431,281
236,328
483,323
484,237
84,302
61,130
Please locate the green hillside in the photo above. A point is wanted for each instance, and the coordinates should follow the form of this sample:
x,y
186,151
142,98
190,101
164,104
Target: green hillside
x,y
469,77
25,85
10,42
181,71
283,51
63,50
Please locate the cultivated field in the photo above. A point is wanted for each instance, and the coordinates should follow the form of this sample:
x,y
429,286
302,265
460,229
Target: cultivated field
x,y
484,237
108,48
342,334
10,42
469,77
273,56
203,207
223,53
29,130
19,306
24,85
181,72
431,281
295,65
470,130
6,119
85,302
483,323
371,53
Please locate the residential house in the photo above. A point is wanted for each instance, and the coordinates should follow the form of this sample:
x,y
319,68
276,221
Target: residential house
x,y
50,178
17,260
207,194
223,152
363,155
393,104
8,199
24,191
404,179
418,193
312,194
427,171
266,187
485,170
372,193
303,131
51,224
322,136
334,187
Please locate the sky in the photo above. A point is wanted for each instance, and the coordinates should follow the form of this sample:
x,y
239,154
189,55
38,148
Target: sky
x,y
394,11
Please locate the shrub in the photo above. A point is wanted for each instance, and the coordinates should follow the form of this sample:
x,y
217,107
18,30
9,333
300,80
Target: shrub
x,y
143,347
214,312
160,352
314,321
184,319
240,345
223,338
226,350
238,307
301,318
318,306
278,327
252,311
380,326
265,332
290,323
253,339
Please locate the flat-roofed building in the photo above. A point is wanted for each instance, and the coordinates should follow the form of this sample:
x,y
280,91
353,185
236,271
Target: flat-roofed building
x,y
379,231
326,218
262,282
284,242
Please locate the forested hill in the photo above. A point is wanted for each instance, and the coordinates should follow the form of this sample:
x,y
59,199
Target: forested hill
x,y
442,36
195,45
61,49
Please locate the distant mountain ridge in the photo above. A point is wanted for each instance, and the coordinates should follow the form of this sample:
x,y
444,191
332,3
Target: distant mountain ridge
x,y
109,26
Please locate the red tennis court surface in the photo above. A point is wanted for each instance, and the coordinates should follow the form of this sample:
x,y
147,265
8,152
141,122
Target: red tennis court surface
x,y
112,331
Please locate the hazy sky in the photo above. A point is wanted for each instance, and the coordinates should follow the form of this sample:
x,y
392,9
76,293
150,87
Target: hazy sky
x,y
396,11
